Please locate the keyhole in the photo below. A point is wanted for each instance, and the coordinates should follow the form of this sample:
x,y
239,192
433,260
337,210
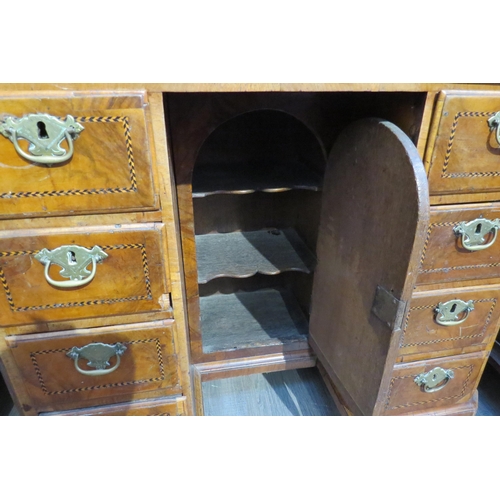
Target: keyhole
x,y
434,377
453,307
42,131
71,258
478,228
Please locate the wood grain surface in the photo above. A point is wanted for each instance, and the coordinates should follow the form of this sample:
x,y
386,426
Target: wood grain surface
x,y
244,254
465,157
373,221
405,395
166,407
131,279
422,337
110,170
250,319
286,393
444,258
148,364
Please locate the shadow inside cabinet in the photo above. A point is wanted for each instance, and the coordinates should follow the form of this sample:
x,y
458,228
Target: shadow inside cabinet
x,y
286,393
6,403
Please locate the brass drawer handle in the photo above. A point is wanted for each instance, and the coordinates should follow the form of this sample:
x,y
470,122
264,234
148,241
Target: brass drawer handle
x,y
475,233
454,312
74,261
435,380
45,134
98,356
494,123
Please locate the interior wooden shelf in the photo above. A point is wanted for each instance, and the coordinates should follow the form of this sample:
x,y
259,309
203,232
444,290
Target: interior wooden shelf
x,y
244,178
242,320
244,254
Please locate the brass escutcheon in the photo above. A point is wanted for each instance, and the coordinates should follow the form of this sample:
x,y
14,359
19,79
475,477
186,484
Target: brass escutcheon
x,y
45,134
434,380
454,312
494,123
475,233
98,356
74,260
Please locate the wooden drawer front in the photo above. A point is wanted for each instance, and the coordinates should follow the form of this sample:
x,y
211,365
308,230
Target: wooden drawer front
x,y
445,259
467,409
406,396
466,154
130,280
423,334
110,169
167,407
149,363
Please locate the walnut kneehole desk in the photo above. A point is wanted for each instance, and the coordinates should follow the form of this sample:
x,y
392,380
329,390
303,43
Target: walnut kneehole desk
x,y
153,237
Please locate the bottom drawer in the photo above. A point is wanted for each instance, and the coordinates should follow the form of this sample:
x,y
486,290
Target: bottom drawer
x,y
432,385
98,366
467,409
173,407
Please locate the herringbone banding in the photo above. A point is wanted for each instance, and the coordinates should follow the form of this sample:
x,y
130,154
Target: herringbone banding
x,y
444,172
13,308
79,192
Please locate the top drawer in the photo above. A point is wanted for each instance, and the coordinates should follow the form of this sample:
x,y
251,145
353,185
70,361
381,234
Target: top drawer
x,y
465,157
109,169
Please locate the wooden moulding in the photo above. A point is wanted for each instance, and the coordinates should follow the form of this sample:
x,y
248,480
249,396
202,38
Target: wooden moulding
x,y
244,254
164,407
251,319
172,242
60,88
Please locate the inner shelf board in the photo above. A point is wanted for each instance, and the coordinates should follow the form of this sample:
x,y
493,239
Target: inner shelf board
x,y
244,254
251,319
246,178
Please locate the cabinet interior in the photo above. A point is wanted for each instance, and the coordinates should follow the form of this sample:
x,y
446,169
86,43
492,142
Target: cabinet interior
x,y
249,170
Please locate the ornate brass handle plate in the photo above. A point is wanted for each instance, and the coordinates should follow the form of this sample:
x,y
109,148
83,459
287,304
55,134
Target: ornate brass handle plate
x,y
476,233
494,123
45,134
74,261
454,312
434,380
98,356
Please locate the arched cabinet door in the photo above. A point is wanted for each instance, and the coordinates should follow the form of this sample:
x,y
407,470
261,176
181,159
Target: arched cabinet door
x,y
375,211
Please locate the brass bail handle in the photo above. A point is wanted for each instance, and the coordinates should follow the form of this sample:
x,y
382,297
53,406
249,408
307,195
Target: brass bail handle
x,y
453,312
494,123
476,234
98,355
45,133
434,380
73,260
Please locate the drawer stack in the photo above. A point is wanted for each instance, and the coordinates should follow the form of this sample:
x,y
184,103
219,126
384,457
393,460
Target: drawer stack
x,y
453,317
86,239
